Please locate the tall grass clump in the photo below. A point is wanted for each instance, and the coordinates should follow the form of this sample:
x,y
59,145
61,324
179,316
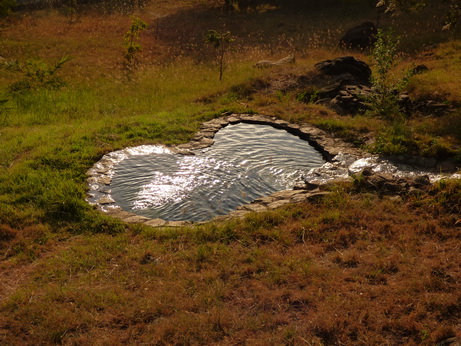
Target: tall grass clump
x,y
38,74
447,194
4,110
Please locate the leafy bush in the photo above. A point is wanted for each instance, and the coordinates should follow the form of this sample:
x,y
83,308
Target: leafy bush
x,y
37,74
384,99
452,8
310,95
131,40
6,6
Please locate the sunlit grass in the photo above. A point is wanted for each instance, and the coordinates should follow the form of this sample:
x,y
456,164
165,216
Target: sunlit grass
x,y
51,137
444,71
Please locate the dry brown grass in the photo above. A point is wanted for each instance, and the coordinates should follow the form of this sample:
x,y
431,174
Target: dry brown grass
x,y
351,269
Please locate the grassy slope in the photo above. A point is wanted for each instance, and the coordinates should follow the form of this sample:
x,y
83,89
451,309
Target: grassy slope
x,y
352,268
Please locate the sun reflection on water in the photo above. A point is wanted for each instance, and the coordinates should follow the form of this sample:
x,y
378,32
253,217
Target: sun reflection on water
x,y
246,162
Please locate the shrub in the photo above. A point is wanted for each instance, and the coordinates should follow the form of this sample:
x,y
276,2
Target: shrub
x,y
384,99
37,74
6,7
131,41
310,95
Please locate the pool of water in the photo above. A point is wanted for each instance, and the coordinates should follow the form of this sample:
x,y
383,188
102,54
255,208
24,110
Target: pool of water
x,y
246,162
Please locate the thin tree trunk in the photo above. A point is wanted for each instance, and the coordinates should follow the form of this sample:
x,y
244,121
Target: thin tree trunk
x,y
221,62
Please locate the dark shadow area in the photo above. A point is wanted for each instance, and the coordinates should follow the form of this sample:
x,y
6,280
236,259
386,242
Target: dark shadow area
x,y
277,29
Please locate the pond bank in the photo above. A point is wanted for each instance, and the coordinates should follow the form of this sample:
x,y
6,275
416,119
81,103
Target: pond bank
x,y
343,161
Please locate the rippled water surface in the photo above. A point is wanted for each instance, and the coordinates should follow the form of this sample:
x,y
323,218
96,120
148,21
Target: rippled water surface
x,y
247,161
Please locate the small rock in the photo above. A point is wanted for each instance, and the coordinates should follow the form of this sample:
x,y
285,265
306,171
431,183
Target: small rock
x,y
92,180
316,195
395,198
107,180
155,222
147,258
136,219
233,120
414,191
208,134
105,200
268,63
367,172
422,180
392,187
450,342
300,186
420,69
176,223
120,214
299,198
285,194
255,207
239,213
277,204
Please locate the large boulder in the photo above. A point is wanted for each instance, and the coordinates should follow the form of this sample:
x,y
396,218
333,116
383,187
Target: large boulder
x,y
343,84
346,68
360,37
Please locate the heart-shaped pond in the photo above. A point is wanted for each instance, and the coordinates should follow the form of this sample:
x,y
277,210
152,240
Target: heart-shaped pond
x,y
247,161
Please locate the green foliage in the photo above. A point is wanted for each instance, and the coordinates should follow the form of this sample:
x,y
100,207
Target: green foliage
x,y
453,15
352,132
457,157
437,147
241,5
395,140
384,99
452,8
37,74
6,7
216,39
228,4
131,40
311,95
221,42
403,5
4,110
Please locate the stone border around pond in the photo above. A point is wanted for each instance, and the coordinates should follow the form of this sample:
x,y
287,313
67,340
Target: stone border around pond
x,y
326,144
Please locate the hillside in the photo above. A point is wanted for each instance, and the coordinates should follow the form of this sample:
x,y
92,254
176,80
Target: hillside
x,y
358,266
